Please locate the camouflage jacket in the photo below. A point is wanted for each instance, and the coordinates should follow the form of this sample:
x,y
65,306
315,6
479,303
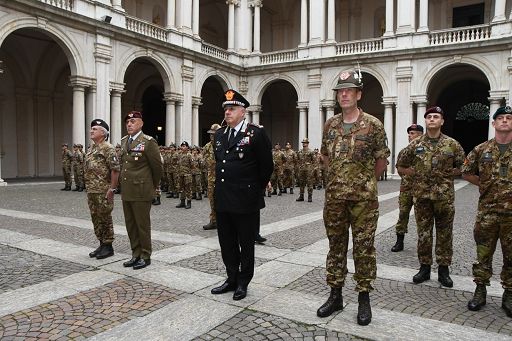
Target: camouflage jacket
x,y
352,156
100,160
67,157
196,164
279,160
433,166
405,182
290,158
305,159
495,173
184,163
209,158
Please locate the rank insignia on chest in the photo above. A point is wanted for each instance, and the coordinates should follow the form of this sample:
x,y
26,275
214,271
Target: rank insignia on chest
x,y
420,150
487,156
245,141
241,155
331,135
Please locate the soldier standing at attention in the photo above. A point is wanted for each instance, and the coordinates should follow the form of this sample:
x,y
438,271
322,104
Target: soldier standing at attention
x,y
76,164
489,166
276,178
118,154
101,176
432,161
305,163
67,158
405,198
243,155
185,176
140,177
354,150
289,166
209,159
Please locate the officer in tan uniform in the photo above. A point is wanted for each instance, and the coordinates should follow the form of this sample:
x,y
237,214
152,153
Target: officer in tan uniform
x,y
140,177
209,159
354,150
101,176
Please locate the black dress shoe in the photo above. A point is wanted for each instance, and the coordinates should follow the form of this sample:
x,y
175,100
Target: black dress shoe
x,y
141,263
240,293
259,239
131,262
224,288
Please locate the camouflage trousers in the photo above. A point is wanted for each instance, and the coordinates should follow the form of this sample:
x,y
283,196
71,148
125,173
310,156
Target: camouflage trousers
x,y
66,172
288,181
305,178
490,226
204,180
171,182
196,183
361,216
440,212
185,186
211,198
101,215
276,179
405,202
78,178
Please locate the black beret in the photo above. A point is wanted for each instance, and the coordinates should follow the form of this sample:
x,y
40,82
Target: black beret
x,y
434,110
415,127
232,97
502,111
99,122
184,143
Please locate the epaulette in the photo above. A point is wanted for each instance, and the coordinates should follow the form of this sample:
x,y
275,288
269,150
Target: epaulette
x,y
147,137
124,137
254,125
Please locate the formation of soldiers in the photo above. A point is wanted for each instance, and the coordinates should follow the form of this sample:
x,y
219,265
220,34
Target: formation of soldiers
x,y
73,167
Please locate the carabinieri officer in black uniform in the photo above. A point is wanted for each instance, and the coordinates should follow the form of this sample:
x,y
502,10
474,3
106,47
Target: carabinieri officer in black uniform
x,y
243,155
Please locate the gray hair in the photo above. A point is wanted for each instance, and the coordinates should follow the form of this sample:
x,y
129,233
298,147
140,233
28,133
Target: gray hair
x,y
105,132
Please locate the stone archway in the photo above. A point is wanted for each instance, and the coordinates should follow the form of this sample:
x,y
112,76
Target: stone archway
x,y
36,104
210,111
453,88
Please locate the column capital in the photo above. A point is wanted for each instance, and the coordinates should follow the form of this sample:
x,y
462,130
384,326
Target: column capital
x,y
103,53
196,101
328,103
233,2
419,99
173,97
390,100
255,3
254,108
303,105
117,87
497,95
80,81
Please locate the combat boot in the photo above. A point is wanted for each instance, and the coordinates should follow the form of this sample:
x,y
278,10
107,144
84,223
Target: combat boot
x,y
66,188
291,190
156,201
279,192
284,190
301,197
210,226
478,300
76,189
274,192
364,311
181,204
170,195
333,303
443,276
194,195
95,252
310,197
506,302
80,189
269,194
106,251
199,196
399,245
189,204
423,274
176,195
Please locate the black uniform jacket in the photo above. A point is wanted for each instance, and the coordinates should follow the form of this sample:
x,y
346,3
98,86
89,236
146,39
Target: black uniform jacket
x,y
242,169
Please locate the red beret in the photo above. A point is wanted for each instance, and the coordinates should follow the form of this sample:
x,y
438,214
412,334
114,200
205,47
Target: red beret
x,y
434,110
133,114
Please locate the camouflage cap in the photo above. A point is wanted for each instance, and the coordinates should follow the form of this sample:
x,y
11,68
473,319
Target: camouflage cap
x,y
502,111
213,128
349,79
306,140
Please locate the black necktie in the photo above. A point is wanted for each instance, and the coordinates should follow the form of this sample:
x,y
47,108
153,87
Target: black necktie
x,y
231,135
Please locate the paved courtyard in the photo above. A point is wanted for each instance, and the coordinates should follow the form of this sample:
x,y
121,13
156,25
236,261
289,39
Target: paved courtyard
x,y
51,289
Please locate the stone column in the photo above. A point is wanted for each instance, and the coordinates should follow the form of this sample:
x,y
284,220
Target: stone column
x,y
187,75
2,182
304,23
406,16
78,84
256,114
314,113
103,55
195,18
331,20
170,119
421,107
117,4
231,24
303,121
186,16
196,102
390,12
171,13
257,4
116,114
316,22
494,105
499,10
388,127
423,24
90,108
403,117
179,121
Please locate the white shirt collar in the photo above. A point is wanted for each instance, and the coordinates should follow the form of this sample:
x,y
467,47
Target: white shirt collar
x,y
134,137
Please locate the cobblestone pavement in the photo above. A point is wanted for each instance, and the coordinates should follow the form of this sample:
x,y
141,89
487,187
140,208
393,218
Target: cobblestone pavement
x,y
51,290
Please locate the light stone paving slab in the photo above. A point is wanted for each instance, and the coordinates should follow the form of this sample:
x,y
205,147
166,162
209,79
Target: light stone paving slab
x,y
23,298
297,306
211,243
176,253
8,237
118,267
384,326
279,274
303,258
269,252
184,279
255,292
320,247
182,320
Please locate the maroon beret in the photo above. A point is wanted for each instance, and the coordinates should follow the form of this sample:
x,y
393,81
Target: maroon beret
x,y
133,114
434,110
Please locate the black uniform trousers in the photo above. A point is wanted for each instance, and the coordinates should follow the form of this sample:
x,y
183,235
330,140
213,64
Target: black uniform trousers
x,y
236,238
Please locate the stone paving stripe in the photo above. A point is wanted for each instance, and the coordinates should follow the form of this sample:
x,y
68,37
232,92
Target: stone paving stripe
x,y
211,243
279,274
255,292
304,258
33,295
176,253
9,237
182,320
384,326
175,238
184,279
269,252
401,274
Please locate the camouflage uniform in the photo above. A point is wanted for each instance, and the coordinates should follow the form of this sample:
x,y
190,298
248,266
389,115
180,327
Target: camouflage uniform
x,y
305,162
433,193
494,217
81,166
67,157
289,166
317,170
185,175
196,173
405,202
209,160
100,160
351,196
76,164
277,175
118,154
173,172
164,182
